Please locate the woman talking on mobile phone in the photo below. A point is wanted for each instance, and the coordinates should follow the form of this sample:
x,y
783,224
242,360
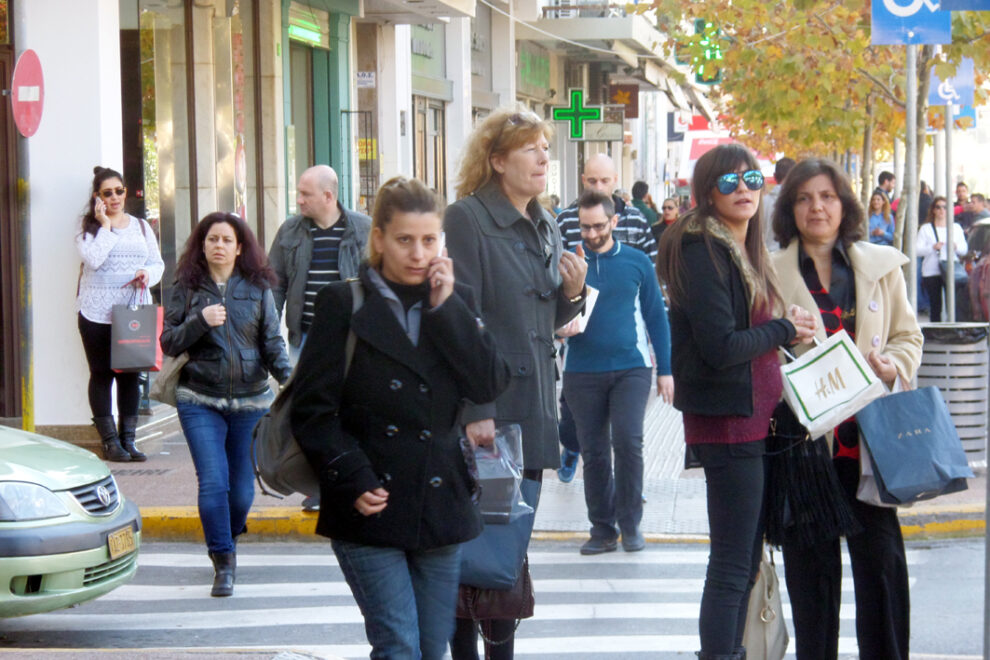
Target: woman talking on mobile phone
x,y
120,254
380,427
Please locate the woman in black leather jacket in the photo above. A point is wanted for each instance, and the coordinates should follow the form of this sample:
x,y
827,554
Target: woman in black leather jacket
x,y
222,313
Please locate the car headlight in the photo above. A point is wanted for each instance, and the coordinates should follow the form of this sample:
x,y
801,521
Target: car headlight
x,y
25,501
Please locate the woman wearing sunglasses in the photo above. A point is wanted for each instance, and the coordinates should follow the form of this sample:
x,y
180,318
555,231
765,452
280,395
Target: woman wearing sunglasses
x,y
120,254
725,329
931,248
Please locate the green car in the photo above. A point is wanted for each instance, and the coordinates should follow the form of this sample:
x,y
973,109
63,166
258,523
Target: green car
x,y
67,535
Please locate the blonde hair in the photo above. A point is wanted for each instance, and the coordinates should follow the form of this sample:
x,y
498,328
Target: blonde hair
x,y
500,132
402,195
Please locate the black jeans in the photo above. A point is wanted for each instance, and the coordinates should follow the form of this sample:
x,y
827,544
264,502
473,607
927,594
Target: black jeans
x,y
734,476
880,577
96,343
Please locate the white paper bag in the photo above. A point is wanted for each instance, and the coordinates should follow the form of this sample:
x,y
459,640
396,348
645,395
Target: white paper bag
x,y
829,383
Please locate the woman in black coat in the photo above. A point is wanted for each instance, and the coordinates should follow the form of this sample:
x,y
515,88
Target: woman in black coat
x,y
382,433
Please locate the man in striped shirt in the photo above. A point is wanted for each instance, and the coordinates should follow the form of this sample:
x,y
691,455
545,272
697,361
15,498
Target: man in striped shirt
x,y
323,243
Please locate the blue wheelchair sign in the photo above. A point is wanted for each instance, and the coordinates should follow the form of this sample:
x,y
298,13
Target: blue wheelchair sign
x,y
910,22
957,90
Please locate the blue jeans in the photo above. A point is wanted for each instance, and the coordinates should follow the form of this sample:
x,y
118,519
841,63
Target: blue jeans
x,y
619,398
408,598
220,444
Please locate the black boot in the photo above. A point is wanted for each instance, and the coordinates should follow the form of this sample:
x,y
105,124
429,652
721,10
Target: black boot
x,y
128,429
112,451
224,565
738,654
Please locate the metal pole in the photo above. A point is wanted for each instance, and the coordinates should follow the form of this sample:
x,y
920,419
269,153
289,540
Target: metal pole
x,y
910,195
950,221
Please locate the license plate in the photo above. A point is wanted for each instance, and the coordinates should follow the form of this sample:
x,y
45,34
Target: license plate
x,y
120,542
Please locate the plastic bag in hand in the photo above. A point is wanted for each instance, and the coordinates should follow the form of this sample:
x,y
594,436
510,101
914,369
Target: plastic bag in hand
x,y
500,473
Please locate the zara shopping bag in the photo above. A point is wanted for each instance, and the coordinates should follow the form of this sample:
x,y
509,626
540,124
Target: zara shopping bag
x,y
914,450
134,333
829,384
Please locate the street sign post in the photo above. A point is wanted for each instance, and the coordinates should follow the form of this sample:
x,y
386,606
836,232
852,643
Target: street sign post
x,y
27,97
909,22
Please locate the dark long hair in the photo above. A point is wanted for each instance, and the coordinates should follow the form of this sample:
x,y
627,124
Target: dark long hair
x,y
723,159
784,225
90,225
252,262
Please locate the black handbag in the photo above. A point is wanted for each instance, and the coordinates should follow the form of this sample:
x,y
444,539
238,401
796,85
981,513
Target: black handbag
x,y
804,502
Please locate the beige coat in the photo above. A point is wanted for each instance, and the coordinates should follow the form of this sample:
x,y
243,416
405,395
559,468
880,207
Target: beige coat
x,y
885,320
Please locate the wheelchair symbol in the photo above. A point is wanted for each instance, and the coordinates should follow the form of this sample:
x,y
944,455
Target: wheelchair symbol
x,y
911,9
947,92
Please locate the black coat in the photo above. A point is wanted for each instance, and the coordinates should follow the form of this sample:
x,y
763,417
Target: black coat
x,y
712,341
230,360
394,425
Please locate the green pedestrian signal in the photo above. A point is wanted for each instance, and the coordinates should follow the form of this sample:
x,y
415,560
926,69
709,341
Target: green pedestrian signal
x,y
576,113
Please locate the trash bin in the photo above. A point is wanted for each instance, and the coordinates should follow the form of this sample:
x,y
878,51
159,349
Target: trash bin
x,y
955,359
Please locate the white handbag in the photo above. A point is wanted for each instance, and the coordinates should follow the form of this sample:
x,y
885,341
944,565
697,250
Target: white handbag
x,y
829,383
766,635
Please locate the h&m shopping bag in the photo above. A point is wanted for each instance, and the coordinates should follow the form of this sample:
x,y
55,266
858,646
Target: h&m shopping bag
x,y
829,383
914,450
134,334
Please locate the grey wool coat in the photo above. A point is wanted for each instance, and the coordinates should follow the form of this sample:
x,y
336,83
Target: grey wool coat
x,y
511,262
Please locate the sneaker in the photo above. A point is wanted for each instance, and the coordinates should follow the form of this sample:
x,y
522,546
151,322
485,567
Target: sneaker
x,y
633,541
311,503
568,465
594,546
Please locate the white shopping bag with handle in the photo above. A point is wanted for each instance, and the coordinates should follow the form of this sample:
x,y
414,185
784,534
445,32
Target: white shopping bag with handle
x,y
829,383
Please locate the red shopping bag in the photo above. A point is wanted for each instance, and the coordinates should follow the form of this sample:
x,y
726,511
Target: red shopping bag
x,y
134,338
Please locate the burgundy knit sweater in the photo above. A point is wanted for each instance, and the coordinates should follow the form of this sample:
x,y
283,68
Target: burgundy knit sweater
x,y
767,388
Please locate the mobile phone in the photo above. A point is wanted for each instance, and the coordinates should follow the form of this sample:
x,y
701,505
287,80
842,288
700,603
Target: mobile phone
x,y
442,243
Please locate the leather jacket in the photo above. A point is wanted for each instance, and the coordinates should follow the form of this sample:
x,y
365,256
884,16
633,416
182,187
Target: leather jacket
x,y
230,360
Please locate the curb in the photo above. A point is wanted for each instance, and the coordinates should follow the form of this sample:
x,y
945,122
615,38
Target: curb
x,y
181,523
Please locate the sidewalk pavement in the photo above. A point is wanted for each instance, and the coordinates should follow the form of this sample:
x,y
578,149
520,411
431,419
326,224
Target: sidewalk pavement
x,y
164,488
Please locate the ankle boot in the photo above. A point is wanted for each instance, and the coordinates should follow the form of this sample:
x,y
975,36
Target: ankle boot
x,y
224,565
127,432
738,654
112,451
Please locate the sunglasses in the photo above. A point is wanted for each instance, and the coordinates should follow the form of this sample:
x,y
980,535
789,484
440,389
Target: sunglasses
x,y
727,183
110,192
940,207
670,208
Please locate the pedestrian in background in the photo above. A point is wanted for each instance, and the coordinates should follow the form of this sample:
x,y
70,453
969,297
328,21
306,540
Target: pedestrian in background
x,y
505,245
324,243
881,227
931,246
221,312
640,194
120,261
383,435
725,331
857,286
780,170
607,374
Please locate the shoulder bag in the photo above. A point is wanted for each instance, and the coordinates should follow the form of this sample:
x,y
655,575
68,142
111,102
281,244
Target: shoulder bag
x,y
163,389
279,462
766,635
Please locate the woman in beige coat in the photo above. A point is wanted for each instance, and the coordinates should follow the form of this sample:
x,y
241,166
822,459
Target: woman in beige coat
x,y
848,284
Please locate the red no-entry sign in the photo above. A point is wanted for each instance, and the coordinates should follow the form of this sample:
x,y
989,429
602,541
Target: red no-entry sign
x,y
27,91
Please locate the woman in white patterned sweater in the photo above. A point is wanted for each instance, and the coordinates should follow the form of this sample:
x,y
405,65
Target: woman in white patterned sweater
x,y
120,254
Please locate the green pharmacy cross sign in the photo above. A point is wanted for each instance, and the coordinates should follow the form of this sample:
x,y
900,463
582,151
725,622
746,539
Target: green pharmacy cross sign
x,y
576,113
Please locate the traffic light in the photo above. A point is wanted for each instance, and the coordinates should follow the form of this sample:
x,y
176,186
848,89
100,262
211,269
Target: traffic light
x,y
708,71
